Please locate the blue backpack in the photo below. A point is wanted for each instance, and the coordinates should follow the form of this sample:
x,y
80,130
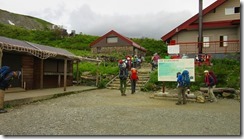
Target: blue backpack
x,y
185,78
5,70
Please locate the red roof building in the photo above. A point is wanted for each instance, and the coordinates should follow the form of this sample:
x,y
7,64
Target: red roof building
x,y
113,42
221,30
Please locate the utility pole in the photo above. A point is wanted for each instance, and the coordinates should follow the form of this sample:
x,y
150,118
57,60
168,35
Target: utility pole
x,y
200,36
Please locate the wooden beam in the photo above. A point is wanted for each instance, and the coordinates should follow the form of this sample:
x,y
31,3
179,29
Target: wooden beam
x,y
65,74
41,74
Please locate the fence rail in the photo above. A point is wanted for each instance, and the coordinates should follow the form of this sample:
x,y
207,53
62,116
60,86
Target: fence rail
x,y
231,46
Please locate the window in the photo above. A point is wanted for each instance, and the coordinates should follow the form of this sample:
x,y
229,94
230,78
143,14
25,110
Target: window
x,y
206,41
112,39
232,10
99,49
223,41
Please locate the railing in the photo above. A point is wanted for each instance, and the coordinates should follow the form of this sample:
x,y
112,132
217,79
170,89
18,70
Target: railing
x,y
232,46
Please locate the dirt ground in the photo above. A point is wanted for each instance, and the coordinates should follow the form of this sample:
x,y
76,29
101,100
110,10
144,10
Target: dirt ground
x,y
106,112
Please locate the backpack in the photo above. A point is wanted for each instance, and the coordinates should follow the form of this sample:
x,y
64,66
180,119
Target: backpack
x,y
185,78
214,77
122,72
5,70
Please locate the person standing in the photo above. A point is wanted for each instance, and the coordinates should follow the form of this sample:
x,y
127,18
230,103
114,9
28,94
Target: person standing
x,y
133,79
183,81
210,83
5,83
155,59
123,74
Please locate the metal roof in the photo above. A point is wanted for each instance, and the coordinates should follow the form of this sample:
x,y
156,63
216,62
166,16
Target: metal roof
x,y
35,49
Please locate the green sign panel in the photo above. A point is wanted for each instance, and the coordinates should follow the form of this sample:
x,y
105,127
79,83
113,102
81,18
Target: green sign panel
x,y
168,68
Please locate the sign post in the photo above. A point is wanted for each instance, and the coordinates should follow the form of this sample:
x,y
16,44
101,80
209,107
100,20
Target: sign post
x,y
168,68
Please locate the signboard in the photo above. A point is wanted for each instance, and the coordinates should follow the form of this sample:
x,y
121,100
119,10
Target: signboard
x,y
173,49
168,68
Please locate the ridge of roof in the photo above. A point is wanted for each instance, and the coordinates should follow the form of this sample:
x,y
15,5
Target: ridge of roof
x,y
122,37
192,19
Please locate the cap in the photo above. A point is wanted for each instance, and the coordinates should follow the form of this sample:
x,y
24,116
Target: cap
x,y
206,71
120,61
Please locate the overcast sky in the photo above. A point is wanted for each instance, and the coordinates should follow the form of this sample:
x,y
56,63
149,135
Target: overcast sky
x,y
131,18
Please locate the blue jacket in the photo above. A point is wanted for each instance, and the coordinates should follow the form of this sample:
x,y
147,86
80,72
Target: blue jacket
x,y
179,80
6,81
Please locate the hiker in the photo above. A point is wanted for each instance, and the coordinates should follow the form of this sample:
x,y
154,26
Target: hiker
x,y
123,74
209,82
133,79
183,81
155,59
6,79
128,63
135,61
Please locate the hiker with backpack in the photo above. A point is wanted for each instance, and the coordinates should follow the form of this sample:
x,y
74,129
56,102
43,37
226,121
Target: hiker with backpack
x,y
123,74
210,82
133,79
6,77
183,81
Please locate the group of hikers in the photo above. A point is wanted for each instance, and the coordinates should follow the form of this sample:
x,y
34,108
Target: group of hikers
x,y
127,68
183,85
183,80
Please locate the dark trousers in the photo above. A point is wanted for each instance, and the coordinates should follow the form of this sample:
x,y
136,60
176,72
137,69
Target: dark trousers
x,y
133,86
181,95
122,86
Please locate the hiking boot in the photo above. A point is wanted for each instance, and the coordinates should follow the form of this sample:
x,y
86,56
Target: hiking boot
x,y
123,94
184,102
178,103
3,111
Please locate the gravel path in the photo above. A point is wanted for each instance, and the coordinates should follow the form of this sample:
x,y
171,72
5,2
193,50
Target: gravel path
x,y
105,112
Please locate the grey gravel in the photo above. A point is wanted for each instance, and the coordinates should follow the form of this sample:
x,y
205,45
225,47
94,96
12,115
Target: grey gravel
x,y
105,112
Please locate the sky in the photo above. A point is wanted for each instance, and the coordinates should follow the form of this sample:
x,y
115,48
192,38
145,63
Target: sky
x,y
130,18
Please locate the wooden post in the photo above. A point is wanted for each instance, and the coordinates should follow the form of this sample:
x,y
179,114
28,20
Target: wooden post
x,y
41,74
77,72
97,74
163,88
59,80
65,74
1,56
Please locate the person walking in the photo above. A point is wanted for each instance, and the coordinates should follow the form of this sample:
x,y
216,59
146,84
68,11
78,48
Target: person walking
x,y
210,83
133,79
183,81
123,74
5,83
155,59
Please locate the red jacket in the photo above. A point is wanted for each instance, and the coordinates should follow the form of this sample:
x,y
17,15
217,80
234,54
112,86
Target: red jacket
x,y
133,75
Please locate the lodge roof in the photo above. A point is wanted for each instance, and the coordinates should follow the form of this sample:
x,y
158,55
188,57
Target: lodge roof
x,y
187,23
132,43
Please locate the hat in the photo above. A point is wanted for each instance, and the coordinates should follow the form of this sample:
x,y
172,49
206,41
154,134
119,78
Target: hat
x,y
206,71
120,61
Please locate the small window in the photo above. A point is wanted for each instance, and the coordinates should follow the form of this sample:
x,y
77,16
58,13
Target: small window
x,y
112,39
232,10
99,49
206,41
223,41
237,10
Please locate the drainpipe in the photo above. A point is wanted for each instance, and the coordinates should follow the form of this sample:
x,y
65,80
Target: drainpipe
x,y
200,42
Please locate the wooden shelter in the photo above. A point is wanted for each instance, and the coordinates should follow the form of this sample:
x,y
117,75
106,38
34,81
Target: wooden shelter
x,y
42,66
